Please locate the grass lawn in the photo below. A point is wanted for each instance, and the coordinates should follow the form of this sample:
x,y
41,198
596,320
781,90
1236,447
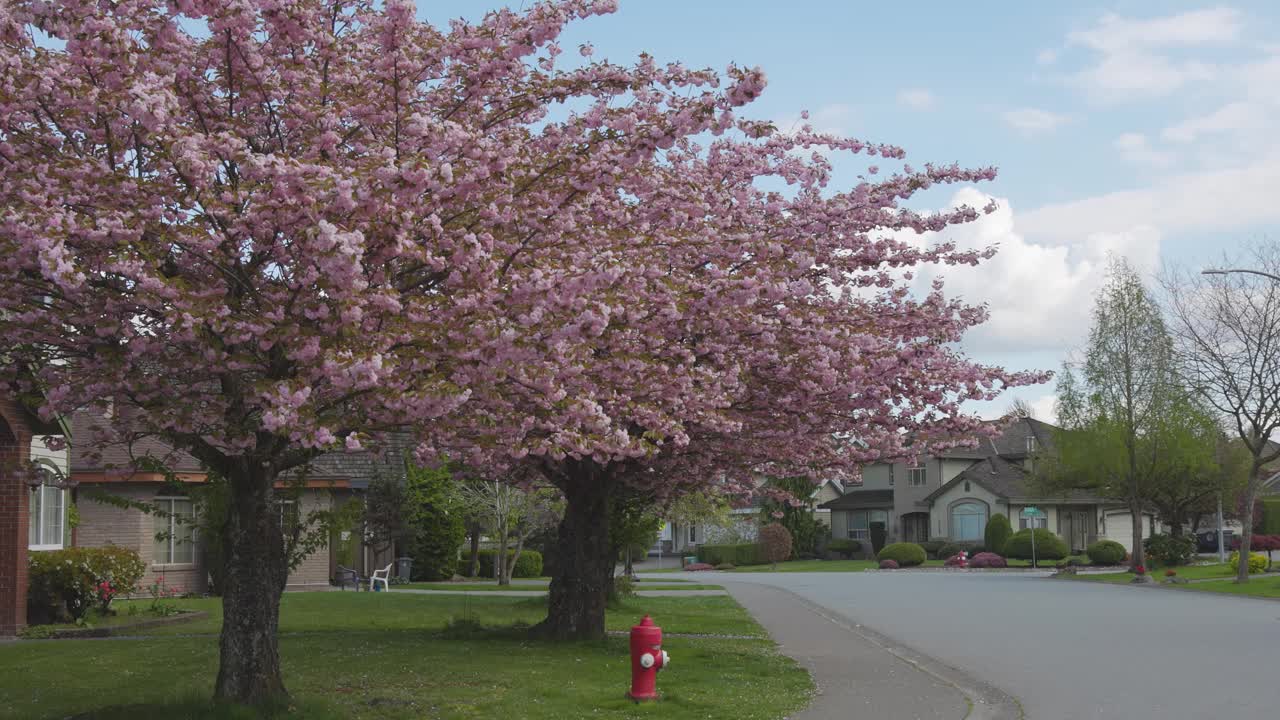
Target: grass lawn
x,y
1188,572
1218,577
1264,586
388,655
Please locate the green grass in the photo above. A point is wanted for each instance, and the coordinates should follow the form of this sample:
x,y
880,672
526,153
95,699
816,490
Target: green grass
x,y
1187,572
383,655
1264,586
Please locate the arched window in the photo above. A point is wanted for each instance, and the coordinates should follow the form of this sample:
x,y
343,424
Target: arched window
x,y
968,520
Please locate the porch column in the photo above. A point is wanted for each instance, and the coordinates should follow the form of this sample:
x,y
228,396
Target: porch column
x,y
15,448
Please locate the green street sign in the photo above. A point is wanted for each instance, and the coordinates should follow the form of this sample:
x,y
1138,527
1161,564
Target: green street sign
x,y
1032,512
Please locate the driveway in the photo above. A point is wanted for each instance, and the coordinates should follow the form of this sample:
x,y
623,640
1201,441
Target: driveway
x,y
1069,650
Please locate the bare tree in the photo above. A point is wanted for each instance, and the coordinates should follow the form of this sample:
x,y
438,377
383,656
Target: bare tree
x,y
515,513
1227,332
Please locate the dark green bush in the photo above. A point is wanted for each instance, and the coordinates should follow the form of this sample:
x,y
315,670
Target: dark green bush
x,y
1048,546
737,554
1270,516
932,547
905,554
529,564
1106,552
1169,550
997,533
948,549
63,585
844,546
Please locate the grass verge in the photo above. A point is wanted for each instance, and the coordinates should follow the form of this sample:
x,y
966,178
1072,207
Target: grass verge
x,y
388,655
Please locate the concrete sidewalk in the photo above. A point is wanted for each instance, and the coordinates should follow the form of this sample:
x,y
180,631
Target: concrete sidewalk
x,y
861,674
540,593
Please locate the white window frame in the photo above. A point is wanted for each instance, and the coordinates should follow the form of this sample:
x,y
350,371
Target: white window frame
x,y
1031,443
1041,521
891,476
167,507
868,516
919,476
36,518
984,514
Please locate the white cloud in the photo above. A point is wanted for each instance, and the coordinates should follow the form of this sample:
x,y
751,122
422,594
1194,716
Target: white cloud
x,y
835,118
1031,121
1038,292
917,99
1133,55
1046,57
1233,117
1212,201
1134,148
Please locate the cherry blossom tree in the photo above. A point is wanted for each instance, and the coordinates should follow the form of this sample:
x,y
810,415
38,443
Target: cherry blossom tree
x,y
266,229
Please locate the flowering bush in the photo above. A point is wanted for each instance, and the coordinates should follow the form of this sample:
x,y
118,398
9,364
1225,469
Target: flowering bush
x,y
987,560
1170,550
1139,570
1257,562
161,595
65,584
888,564
695,567
960,559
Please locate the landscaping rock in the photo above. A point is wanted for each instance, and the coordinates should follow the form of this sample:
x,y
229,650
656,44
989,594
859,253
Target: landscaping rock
x,y
1142,580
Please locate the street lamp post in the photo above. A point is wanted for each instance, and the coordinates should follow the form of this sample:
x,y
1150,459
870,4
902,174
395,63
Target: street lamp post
x,y
1237,270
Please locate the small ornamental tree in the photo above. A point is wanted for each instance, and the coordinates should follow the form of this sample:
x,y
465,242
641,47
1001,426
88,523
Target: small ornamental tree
x,y
997,533
775,544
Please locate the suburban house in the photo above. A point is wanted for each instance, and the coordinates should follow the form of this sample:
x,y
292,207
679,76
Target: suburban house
x,y
32,507
951,495
172,549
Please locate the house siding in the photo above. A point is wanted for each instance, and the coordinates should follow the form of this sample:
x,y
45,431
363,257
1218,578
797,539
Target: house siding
x,y
103,524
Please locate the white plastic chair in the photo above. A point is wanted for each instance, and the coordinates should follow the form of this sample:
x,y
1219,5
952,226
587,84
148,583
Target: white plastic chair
x,y
381,576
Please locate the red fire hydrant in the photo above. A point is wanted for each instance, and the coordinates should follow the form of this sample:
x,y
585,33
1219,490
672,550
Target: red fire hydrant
x,y
647,658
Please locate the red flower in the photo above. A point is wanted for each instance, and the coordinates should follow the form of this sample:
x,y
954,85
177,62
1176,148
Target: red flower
x,y
1140,570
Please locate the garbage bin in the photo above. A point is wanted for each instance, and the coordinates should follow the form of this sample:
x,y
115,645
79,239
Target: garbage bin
x,y
403,566
688,560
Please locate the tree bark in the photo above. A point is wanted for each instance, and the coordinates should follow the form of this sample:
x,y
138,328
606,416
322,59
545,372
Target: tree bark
x,y
1246,526
578,592
257,570
1138,556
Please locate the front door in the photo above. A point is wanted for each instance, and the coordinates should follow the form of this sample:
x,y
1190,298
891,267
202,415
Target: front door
x,y
1078,528
915,527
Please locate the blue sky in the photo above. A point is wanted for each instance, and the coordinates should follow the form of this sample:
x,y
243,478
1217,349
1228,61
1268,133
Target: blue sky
x,y
1137,128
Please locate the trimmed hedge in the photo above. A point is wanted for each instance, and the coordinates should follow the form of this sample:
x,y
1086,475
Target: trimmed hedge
x,y
529,564
949,549
739,554
844,546
987,560
997,533
1048,546
1270,516
1106,552
63,585
904,553
932,546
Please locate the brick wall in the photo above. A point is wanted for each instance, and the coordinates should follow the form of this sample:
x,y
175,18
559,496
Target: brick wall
x,y
15,449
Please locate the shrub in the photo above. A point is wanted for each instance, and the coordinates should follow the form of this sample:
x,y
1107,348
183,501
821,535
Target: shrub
x,y
529,564
1265,543
698,566
987,560
63,585
844,546
949,549
1270,516
775,543
1048,546
931,547
904,553
878,536
1170,573
736,554
888,564
726,566
1257,562
623,588
1169,549
1106,552
997,533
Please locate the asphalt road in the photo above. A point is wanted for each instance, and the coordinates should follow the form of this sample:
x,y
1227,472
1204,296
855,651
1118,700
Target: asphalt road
x,y
1070,650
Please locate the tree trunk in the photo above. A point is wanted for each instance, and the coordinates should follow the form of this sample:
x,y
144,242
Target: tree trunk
x,y
510,570
473,566
257,570
1139,556
1246,529
578,592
